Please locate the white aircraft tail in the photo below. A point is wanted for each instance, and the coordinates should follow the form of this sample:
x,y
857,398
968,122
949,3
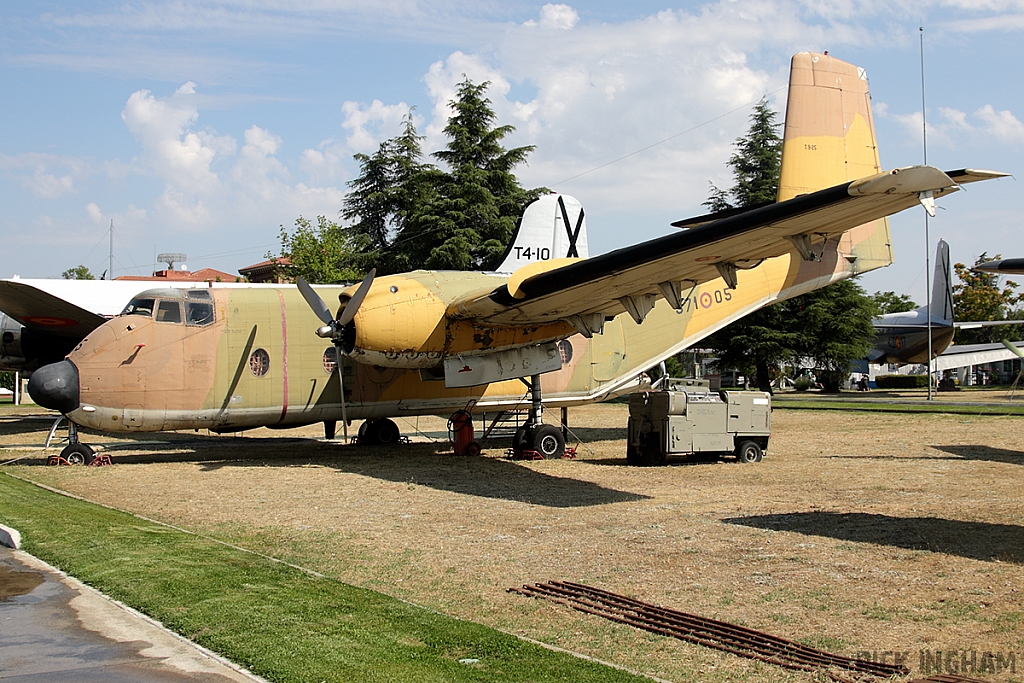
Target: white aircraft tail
x,y
942,287
552,227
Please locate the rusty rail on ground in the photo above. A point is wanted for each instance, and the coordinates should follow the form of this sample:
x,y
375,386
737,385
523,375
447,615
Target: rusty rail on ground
x,y
720,635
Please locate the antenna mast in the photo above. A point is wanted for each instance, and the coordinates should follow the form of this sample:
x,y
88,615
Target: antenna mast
x,y
927,240
110,252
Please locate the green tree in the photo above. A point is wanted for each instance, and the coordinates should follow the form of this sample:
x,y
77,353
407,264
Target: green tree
x,y
981,296
891,302
835,328
759,342
392,185
78,273
321,253
755,165
830,327
412,214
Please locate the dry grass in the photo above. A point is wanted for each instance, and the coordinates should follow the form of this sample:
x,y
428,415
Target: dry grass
x,y
859,531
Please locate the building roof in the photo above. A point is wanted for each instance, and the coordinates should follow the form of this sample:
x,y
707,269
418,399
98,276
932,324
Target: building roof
x,y
201,275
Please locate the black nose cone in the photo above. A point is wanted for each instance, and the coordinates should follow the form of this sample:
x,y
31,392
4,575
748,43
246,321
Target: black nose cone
x,y
55,386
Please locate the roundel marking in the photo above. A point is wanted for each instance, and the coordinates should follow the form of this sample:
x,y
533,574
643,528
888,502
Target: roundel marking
x,y
48,321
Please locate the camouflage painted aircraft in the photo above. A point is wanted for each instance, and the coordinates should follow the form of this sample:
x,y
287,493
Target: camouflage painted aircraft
x,y
581,329
42,320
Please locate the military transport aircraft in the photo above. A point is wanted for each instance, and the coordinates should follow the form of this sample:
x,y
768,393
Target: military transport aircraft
x,y
41,320
581,329
902,338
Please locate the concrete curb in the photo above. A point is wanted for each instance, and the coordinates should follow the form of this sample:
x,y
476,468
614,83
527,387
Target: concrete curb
x,y
10,537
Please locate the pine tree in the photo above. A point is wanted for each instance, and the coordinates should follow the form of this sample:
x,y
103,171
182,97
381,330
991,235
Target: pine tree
x,y
480,199
830,326
755,165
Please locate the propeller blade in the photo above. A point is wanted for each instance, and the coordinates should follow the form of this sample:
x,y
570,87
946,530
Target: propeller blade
x,y
357,299
341,388
315,302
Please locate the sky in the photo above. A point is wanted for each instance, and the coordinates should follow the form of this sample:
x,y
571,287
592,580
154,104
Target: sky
x,y
204,126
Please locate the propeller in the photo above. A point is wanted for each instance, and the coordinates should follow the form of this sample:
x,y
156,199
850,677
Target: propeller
x,y
333,328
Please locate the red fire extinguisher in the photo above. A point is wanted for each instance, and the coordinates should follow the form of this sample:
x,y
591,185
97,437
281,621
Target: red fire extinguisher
x,y
460,426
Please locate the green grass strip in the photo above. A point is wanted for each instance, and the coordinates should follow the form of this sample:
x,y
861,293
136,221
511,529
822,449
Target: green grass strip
x,y
884,407
278,621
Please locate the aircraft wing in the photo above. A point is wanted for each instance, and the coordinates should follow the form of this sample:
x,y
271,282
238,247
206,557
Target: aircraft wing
x,y
631,279
45,312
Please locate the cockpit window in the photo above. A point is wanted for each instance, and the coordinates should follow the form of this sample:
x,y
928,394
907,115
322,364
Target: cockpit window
x,y
198,313
139,307
168,312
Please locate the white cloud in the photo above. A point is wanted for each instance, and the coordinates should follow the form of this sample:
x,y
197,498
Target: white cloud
x,y
555,16
369,124
1003,125
48,176
94,212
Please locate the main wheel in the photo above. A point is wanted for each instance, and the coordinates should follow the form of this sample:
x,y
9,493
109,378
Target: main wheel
x,y
520,440
548,441
78,454
749,451
379,432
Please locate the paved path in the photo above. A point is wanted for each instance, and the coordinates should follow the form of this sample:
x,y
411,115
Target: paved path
x,y
54,629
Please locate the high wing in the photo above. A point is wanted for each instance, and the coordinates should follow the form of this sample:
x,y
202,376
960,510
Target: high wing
x,y
42,311
633,278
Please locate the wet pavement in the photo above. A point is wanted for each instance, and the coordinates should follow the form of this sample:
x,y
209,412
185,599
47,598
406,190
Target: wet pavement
x,y
52,628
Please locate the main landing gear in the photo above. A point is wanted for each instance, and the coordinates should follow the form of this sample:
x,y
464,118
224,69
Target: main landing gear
x,y
536,440
379,432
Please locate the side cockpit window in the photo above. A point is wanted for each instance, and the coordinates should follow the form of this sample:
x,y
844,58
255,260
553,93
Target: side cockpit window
x,y
198,313
168,312
139,306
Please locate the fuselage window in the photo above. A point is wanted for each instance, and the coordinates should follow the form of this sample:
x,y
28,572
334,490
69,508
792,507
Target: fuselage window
x,y
330,360
198,313
259,362
139,307
168,312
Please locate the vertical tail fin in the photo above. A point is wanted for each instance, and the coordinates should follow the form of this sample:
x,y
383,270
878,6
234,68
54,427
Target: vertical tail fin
x,y
552,227
829,139
829,136
942,287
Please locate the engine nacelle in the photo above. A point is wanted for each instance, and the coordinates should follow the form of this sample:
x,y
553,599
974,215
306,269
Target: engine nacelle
x,y
11,355
403,323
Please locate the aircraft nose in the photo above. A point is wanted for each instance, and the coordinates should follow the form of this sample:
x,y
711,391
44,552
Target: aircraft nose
x,y
55,386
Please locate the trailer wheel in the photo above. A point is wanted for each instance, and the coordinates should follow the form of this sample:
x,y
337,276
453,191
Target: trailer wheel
x,y
749,451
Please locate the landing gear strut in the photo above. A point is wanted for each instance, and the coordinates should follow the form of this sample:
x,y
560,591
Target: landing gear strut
x,y
76,452
536,439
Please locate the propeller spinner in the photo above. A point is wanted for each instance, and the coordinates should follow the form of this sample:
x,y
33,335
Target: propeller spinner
x,y
333,328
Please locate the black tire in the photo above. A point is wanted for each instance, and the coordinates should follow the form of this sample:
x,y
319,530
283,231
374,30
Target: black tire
x,y
473,449
379,432
548,441
78,454
649,452
749,451
520,440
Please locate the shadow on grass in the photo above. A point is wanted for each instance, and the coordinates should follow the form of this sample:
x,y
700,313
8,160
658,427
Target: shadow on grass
x,y
987,453
974,540
420,464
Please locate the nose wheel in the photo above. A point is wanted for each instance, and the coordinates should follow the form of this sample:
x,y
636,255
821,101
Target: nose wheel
x,y
76,452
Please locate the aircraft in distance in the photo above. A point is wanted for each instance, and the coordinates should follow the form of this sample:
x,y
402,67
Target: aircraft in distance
x,y
41,320
903,337
1006,266
581,329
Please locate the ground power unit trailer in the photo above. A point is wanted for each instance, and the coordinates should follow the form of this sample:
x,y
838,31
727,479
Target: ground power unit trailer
x,y
691,419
